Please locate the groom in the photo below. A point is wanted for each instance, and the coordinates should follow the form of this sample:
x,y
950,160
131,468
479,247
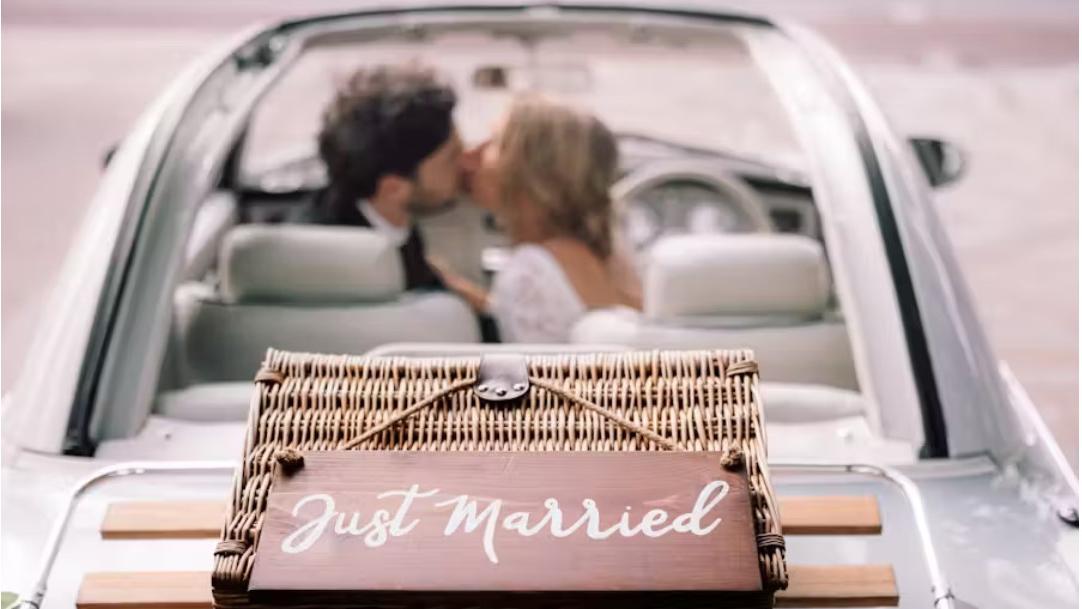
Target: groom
x,y
392,153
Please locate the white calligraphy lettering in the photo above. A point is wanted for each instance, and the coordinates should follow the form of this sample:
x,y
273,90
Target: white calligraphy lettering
x,y
468,517
520,522
691,522
467,510
407,500
652,518
557,517
377,536
309,532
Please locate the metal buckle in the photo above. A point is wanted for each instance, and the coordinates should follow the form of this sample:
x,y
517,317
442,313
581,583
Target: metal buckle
x,y
502,377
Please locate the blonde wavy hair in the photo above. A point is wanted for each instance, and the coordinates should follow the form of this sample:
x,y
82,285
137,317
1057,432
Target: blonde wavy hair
x,y
562,160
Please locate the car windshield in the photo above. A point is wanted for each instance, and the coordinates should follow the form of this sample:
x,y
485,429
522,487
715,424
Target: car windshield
x,y
712,206
718,99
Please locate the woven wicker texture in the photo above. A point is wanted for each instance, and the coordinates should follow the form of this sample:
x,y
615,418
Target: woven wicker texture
x,y
697,400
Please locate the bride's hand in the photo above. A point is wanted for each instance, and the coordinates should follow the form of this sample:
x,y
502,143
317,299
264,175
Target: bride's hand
x,y
469,291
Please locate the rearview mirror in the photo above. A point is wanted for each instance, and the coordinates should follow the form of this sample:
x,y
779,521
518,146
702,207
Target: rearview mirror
x,y
552,76
942,161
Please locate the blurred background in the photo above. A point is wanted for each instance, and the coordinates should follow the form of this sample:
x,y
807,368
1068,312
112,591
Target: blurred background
x,y
997,77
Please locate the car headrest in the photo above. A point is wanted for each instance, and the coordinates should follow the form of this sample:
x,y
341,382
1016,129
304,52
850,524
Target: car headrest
x,y
308,264
749,276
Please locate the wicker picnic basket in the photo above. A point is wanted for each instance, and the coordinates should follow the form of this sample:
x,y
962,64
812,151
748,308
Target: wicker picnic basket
x,y
638,401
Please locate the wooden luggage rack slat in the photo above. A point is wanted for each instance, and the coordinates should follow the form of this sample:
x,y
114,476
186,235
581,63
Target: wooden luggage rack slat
x,y
823,586
809,586
203,519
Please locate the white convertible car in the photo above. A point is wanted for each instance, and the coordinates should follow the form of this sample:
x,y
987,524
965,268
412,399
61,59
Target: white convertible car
x,y
770,205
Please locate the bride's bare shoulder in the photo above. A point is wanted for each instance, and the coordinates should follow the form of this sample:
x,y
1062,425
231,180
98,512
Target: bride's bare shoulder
x,y
572,252
592,278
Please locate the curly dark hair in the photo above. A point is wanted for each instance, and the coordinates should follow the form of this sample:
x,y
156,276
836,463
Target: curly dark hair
x,y
383,121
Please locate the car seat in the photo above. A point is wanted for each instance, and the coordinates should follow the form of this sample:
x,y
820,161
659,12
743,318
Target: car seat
x,y
329,289
769,293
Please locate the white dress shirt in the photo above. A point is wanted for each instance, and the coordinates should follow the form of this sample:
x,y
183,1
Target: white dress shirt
x,y
397,235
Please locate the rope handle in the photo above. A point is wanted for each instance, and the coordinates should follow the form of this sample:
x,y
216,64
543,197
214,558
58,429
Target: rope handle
x,y
546,385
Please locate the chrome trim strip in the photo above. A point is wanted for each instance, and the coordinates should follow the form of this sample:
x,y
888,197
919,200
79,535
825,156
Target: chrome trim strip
x,y
942,596
34,599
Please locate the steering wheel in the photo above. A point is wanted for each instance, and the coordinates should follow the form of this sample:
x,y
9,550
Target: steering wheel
x,y
726,191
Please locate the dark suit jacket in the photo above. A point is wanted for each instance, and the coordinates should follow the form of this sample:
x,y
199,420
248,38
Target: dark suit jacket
x,y
419,274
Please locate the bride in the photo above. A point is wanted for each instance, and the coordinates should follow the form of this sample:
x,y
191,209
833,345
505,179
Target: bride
x,y
545,174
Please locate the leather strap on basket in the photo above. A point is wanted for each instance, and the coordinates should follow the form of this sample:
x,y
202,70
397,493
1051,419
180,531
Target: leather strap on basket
x,y
543,384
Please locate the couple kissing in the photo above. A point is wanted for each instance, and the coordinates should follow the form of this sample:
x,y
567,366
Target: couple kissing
x,y
393,153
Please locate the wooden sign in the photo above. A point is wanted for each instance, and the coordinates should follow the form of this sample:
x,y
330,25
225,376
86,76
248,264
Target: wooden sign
x,y
461,528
